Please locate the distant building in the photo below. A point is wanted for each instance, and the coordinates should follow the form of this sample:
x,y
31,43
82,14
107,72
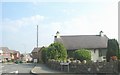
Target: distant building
x,y
8,55
26,57
97,44
1,54
36,54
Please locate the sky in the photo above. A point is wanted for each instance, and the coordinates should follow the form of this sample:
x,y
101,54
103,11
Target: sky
x,y
20,19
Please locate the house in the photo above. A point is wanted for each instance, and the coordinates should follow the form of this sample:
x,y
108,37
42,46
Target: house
x,y
97,44
5,54
16,55
36,54
26,57
8,55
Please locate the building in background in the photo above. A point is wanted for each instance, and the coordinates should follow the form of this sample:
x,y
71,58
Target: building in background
x,y
1,54
9,55
36,54
26,57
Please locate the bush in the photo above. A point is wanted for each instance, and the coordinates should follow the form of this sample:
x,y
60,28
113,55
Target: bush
x,y
70,54
82,54
118,56
21,62
57,51
113,49
16,62
44,55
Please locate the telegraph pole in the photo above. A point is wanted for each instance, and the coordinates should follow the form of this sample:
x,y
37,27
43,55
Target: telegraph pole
x,y
37,36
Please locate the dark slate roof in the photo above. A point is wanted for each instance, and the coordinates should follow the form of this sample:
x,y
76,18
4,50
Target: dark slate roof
x,y
83,41
36,49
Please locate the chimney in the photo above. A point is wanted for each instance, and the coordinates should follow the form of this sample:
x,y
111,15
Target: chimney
x,y
57,34
101,33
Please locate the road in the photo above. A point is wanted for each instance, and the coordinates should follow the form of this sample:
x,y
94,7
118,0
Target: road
x,y
17,68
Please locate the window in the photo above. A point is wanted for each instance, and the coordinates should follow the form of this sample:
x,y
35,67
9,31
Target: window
x,y
100,53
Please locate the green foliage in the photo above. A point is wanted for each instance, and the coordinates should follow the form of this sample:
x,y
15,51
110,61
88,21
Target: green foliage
x,y
82,54
113,48
57,51
118,56
44,54
70,54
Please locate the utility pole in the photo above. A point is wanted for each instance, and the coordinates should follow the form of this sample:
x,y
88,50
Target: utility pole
x,y
37,36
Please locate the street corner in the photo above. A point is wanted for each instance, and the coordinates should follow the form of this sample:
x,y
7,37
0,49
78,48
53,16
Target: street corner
x,y
33,70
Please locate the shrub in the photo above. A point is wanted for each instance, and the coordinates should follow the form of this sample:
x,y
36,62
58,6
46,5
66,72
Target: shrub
x,y
44,55
113,49
118,56
70,54
57,51
21,62
82,54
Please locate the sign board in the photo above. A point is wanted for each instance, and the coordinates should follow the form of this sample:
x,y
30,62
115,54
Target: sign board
x,y
64,63
35,60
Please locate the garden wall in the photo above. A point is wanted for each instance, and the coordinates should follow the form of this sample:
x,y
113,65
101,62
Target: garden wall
x,y
98,67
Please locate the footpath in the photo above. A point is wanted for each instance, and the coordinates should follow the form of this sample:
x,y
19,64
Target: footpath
x,y
41,68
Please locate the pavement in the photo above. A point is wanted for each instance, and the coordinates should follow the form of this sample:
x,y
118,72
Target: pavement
x,y
41,68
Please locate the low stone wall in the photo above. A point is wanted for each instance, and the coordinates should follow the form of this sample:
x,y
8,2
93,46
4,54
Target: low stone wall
x,y
103,67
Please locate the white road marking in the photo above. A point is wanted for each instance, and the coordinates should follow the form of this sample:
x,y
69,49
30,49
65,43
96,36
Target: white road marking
x,y
14,72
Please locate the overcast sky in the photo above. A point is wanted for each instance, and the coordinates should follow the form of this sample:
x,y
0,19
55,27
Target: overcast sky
x,y
20,19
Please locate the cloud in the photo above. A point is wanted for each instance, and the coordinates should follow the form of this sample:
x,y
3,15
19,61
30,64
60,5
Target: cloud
x,y
105,19
69,11
14,25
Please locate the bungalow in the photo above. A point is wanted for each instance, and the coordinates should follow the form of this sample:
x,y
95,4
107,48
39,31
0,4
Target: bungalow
x,y
97,44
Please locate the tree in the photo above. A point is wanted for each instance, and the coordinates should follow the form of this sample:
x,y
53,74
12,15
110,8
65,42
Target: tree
x,y
118,56
57,51
112,49
82,54
44,54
